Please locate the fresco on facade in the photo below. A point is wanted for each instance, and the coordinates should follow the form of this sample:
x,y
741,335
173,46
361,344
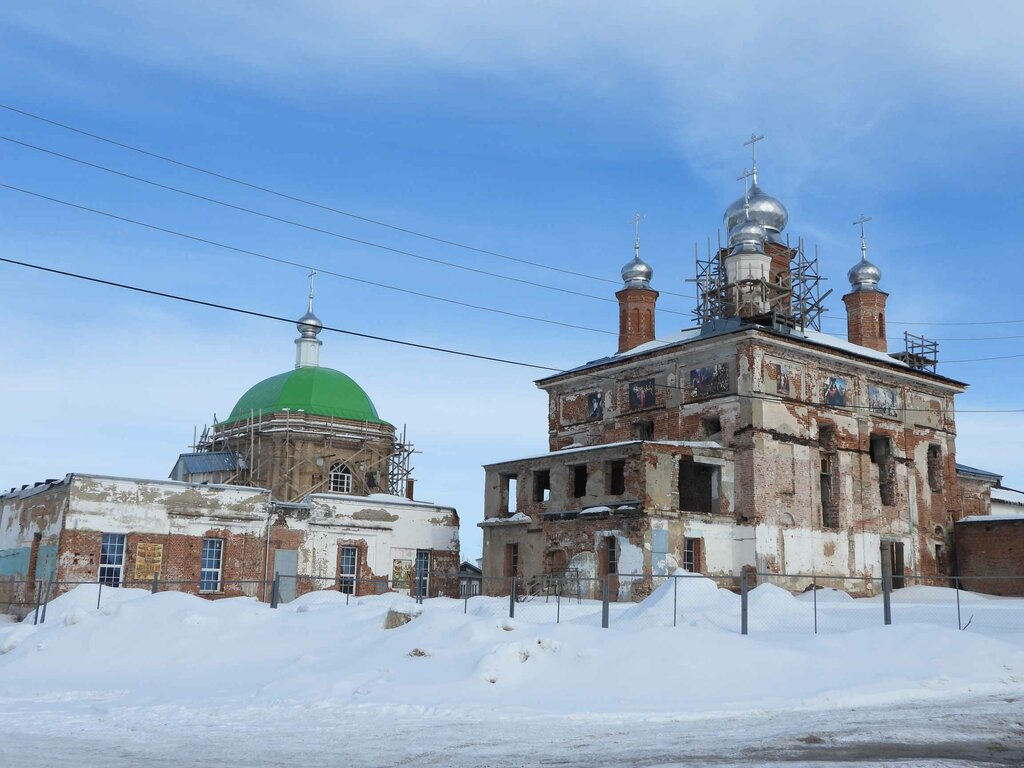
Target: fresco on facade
x,y
783,379
595,406
834,392
883,401
641,394
709,381
149,560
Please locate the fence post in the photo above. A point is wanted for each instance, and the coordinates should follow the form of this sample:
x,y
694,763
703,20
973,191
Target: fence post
x,y
956,583
512,597
275,587
46,601
99,596
604,603
675,599
814,587
558,608
887,596
155,588
743,603
39,593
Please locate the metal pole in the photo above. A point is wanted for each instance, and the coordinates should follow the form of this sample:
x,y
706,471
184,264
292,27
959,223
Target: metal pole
x,y
675,599
956,583
155,588
558,608
39,593
743,603
512,597
99,596
46,600
887,596
604,604
275,588
814,586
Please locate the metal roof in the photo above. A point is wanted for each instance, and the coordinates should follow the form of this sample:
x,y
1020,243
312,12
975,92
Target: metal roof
x,y
963,469
203,463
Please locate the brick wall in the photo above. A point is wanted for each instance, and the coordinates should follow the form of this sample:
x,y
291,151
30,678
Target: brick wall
x,y
991,549
865,318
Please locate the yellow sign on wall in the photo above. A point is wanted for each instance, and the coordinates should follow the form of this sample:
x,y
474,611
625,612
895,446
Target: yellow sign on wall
x,y
149,559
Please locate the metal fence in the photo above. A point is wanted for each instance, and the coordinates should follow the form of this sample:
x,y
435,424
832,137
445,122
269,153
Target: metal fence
x,y
751,603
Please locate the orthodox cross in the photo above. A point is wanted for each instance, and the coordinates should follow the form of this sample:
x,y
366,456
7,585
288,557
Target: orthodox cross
x,y
312,274
746,187
863,240
752,143
636,226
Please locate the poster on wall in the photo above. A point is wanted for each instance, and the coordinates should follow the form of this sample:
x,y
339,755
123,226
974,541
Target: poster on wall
x,y
883,401
835,390
783,379
709,381
149,559
595,406
641,394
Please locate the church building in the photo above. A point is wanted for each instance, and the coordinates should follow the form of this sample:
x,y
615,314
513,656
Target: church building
x,y
753,442
303,480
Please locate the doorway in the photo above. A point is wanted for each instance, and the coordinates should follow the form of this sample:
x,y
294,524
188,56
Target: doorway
x,y
286,563
892,559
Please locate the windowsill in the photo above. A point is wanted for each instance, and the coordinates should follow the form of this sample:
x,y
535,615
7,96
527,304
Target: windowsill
x,y
211,591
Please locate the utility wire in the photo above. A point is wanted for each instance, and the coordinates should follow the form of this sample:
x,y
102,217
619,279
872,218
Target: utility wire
x,y
291,263
305,201
308,227
432,348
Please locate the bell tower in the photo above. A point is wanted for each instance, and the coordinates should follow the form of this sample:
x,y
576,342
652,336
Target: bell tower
x,y
865,303
636,299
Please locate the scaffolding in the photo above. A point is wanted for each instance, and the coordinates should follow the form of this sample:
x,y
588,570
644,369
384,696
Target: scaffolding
x,y
919,353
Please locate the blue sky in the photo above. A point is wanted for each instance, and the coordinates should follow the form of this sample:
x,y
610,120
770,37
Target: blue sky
x,y
535,132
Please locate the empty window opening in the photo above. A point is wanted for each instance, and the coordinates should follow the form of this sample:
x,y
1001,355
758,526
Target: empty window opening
x,y
508,494
340,479
347,570
881,324
697,491
712,426
542,485
935,468
512,560
892,560
828,477
210,565
616,477
692,555
644,430
111,559
579,481
940,550
881,454
33,557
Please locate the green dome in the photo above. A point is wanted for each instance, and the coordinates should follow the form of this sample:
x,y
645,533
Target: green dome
x,y
320,391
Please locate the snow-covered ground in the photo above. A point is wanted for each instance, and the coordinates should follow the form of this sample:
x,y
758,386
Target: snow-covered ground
x,y
174,678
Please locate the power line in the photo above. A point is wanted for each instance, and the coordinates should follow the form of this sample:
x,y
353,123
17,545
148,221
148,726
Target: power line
x,y
428,347
291,263
305,201
308,227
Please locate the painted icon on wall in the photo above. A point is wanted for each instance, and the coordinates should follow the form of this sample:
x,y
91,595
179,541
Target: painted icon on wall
x,y
641,394
783,379
835,390
883,401
595,406
709,381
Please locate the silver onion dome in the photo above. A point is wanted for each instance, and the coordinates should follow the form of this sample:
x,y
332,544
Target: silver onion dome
x,y
764,209
748,233
309,325
637,274
864,276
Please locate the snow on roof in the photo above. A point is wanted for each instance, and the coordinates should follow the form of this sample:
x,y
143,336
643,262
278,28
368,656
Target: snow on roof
x,y
516,519
1008,495
992,518
856,349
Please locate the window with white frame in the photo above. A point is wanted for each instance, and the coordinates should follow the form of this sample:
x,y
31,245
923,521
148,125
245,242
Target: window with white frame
x,y
210,565
347,574
422,572
111,559
340,479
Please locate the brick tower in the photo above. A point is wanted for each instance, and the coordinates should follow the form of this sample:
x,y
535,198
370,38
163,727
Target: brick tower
x,y
636,300
865,303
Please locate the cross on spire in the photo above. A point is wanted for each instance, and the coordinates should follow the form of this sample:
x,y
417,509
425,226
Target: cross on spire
x,y
312,274
637,218
752,143
746,188
863,240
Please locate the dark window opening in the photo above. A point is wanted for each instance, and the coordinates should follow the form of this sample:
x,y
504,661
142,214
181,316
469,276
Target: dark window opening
x,y
712,426
616,477
542,485
579,481
644,430
881,454
892,551
611,556
935,468
881,324
691,555
828,477
939,551
512,560
696,486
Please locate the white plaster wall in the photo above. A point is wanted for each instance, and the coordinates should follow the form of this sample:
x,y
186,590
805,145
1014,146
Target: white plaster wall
x,y
720,544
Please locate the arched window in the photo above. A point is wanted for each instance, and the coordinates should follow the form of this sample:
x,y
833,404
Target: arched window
x,y
340,479
881,324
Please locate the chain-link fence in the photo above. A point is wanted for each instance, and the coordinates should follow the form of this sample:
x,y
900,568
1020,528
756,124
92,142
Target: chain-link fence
x,y
751,603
